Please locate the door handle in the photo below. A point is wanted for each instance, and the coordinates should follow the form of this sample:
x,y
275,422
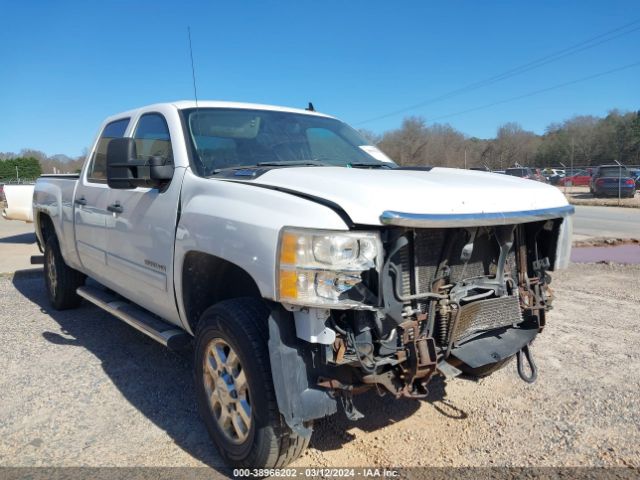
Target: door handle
x,y
115,208
80,201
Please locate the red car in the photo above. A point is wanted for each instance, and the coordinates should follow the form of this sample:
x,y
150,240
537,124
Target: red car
x,y
579,179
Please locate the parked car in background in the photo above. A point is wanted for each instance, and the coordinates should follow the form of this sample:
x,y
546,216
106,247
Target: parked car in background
x,y
579,179
635,174
522,172
525,172
612,180
480,169
553,175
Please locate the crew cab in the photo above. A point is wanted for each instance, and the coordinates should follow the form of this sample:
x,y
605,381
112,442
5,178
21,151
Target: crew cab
x,y
299,262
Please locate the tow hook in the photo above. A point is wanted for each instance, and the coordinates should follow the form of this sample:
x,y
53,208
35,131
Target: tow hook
x,y
523,354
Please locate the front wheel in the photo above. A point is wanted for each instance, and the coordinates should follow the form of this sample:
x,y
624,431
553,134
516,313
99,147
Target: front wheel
x,y
61,280
234,387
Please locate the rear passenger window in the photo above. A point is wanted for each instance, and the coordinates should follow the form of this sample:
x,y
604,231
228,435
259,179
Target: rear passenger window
x,y
98,170
152,138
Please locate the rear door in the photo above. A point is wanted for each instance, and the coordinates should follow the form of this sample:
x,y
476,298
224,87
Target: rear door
x,y
90,203
141,240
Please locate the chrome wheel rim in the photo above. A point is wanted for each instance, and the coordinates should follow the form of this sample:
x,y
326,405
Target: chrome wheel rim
x,y
227,390
51,273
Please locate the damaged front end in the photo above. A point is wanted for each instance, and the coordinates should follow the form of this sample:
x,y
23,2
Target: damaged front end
x,y
442,300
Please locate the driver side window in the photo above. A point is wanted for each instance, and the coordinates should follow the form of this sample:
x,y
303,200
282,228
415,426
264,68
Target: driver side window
x,y
152,138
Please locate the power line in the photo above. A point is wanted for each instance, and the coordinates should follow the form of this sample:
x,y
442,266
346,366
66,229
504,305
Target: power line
x,y
537,63
537,92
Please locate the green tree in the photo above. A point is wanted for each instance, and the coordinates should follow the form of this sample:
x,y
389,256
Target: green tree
x,y
24,168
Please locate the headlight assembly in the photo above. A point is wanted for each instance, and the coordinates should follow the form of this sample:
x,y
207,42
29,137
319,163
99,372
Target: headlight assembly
x,y
319,267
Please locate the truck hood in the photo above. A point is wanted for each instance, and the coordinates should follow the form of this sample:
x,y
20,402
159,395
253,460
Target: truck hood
x,y
372,197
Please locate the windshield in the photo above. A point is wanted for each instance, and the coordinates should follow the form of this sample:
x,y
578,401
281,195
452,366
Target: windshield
x,y
228,138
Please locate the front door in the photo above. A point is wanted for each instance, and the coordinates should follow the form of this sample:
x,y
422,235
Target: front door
x,y
141,236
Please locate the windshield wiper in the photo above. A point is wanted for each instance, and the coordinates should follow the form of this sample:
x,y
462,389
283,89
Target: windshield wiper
x,y
231,169
294,163
370,164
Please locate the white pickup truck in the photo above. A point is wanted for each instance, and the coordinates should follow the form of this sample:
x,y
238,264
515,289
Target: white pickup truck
x,y
302,264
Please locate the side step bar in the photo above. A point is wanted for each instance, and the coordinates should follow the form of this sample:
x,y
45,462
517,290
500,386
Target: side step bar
x,y
168,335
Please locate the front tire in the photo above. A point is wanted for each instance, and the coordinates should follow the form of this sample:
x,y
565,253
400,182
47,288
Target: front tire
x,y
234,387
61,280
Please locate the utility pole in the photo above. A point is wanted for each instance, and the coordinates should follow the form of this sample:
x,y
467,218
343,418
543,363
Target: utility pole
x,y
619,180
572,150
565,177
17,175
465,158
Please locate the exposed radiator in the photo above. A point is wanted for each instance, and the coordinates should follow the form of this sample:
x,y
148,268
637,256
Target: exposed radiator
x,y
486,315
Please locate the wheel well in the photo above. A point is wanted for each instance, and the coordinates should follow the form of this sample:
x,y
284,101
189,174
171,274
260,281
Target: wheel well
x,y
207,280
46,226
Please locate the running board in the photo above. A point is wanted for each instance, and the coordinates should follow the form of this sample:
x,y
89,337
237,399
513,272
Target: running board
x,y
168,335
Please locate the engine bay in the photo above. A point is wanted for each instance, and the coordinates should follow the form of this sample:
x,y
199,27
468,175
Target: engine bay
x,y
451,301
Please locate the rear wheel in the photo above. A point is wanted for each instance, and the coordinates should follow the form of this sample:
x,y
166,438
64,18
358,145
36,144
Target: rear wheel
x,y
61,280
234,387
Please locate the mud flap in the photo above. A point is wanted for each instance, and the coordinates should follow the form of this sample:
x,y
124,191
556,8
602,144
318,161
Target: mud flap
x,y
494,346
297,401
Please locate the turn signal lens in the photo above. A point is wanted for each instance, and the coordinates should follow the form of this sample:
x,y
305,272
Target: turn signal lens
x,y
288,284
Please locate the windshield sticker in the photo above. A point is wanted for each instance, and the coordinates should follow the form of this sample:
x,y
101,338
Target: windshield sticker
x,y
376,153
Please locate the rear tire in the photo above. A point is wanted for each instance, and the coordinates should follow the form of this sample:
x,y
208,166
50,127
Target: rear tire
x,y
232,355
61,280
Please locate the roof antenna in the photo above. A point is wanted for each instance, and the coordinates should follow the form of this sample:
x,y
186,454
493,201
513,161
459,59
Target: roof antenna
x,y
193,70
310,108
195,94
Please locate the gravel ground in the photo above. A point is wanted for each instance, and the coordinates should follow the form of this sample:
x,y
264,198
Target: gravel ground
x,y
81,388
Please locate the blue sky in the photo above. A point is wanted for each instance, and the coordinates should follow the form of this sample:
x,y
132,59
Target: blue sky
x,y
64,66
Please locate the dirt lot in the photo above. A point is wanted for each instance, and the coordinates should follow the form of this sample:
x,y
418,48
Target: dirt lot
x,y
581,196
81,388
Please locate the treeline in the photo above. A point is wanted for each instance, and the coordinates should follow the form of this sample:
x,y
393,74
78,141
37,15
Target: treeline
x,y
20,168
30,158
583,140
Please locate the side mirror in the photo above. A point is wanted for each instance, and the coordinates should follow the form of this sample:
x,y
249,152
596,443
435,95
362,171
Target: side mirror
x,y
124,170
